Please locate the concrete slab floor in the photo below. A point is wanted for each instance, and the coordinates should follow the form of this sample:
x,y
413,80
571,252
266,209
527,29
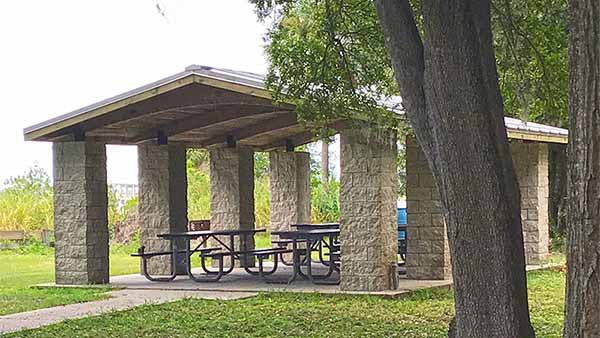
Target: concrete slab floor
x,y
240,281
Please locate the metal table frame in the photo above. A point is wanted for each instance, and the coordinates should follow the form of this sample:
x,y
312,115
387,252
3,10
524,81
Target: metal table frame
x,y
311,237
188,236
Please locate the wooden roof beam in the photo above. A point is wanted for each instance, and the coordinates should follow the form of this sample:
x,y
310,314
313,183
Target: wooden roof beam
x,y
257,128
290,142
200,121
300,138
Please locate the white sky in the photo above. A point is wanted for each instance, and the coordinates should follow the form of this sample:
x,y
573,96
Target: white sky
x,y
57,56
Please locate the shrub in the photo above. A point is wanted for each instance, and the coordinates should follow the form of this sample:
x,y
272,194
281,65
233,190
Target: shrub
x,y
325,202
262,202
26,202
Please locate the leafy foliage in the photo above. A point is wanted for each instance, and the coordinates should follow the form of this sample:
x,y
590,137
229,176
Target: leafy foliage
x,y
198,191
26,202
530,38
325,205
329,57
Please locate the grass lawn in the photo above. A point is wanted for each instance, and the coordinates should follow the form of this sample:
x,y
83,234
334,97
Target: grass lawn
x,y
34,264
31,265
424,314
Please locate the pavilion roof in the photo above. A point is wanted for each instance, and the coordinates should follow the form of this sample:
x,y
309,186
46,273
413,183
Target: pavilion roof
x,y
203,106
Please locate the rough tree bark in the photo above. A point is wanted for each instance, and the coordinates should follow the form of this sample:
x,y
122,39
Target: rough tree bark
x,y
557,160
582,306
325,163
449,87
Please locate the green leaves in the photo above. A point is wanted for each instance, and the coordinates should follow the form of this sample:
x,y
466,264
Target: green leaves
x,y
329,59
530,39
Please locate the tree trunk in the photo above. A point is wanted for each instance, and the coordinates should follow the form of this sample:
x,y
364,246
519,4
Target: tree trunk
x,y
582,306
449,88
325,163
557,161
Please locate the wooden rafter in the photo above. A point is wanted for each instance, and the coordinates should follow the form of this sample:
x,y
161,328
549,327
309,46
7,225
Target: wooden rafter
x,y
258,128
202,120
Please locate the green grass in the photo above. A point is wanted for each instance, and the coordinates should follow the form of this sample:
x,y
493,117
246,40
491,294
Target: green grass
x,y
423,314
34,264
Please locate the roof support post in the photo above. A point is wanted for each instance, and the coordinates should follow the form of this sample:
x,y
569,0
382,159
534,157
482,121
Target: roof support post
x,y
232,192
428,255
162,200
531,164
368,223
80,212
290,189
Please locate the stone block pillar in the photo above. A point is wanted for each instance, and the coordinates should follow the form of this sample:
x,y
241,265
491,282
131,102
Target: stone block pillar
x,y
162,200
531,165
290,189
428,254
232,190
368,211
80,213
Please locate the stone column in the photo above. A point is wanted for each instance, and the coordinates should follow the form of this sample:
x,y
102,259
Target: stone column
x,y
368,211
162,200
531,165
290,189
428,254
232,191
80,213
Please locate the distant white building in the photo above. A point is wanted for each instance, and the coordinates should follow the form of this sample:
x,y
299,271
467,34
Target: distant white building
x,y
124,192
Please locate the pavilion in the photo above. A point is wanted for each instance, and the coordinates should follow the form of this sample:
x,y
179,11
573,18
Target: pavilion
x,y
231,114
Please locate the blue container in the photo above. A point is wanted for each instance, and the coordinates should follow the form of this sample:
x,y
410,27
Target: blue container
x,y
401,224
401,216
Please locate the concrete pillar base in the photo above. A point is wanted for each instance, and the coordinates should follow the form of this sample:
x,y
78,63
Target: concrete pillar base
x,y
162,200
80,213
290,189
428,255
531,165
232,192
368,211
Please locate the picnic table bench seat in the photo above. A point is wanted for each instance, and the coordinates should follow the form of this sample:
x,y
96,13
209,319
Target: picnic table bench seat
x,y
145,256
261,254
285,241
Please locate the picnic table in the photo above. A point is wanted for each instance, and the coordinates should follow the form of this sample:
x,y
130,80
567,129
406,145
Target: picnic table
x,y
315,237
226,249
316,226
311,237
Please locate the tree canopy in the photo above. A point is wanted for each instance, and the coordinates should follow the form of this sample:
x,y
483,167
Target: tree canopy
x,y
329,57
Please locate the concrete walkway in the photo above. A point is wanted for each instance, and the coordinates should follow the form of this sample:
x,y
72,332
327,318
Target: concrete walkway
x,y
119,300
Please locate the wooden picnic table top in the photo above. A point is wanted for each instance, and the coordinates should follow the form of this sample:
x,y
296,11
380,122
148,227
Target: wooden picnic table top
x,y
196,234
315,226
306,234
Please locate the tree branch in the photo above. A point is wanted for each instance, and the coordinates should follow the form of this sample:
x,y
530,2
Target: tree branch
x,y
406,52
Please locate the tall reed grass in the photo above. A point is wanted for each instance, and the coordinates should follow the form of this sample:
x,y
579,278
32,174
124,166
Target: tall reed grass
x,y
26,202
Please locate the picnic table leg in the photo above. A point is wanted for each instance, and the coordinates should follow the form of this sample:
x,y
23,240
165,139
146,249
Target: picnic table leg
x,y
295,261
332,267
321,242
309,260
188,264
152,278
231,266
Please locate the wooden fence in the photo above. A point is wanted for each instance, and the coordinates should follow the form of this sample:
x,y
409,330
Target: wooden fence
x,y
45,236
